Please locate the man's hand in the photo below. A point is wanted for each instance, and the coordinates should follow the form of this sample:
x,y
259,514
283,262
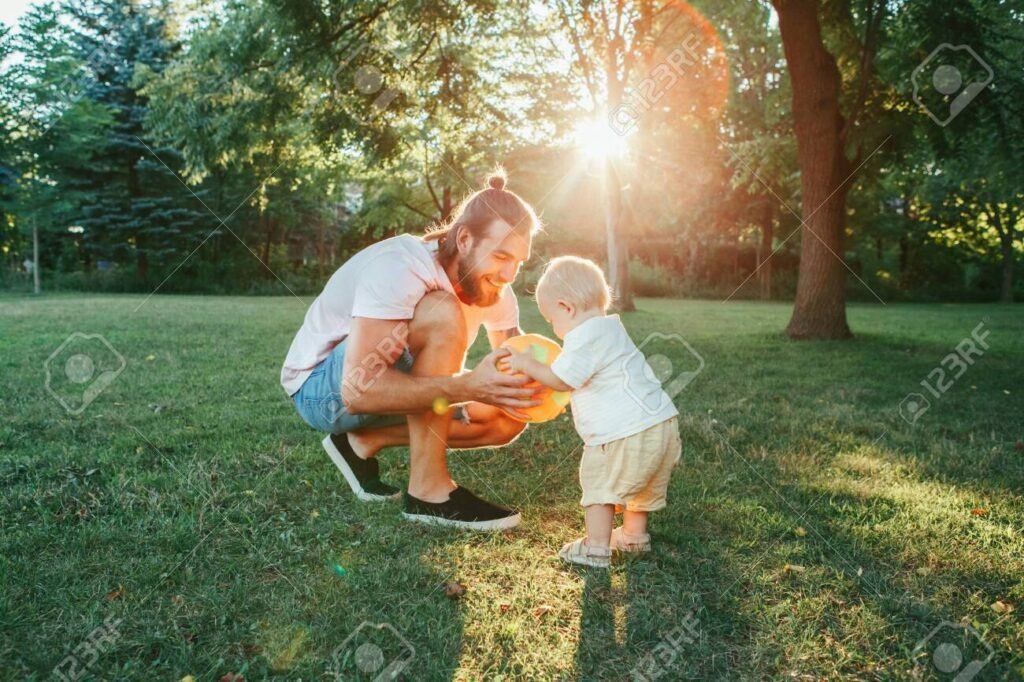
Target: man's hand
x,y
487,384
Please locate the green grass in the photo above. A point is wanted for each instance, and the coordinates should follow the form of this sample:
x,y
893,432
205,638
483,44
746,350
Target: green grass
x,y
191,484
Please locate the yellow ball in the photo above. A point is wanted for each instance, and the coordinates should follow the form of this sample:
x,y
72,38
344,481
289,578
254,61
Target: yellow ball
x,y
543,350
440,406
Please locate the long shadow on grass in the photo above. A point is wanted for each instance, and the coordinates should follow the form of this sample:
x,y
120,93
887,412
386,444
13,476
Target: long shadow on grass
x,y
670,630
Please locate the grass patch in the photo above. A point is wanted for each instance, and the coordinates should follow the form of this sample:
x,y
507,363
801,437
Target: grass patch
x,y
811,531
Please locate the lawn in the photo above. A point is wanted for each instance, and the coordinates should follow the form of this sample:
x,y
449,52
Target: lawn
x,y
812,532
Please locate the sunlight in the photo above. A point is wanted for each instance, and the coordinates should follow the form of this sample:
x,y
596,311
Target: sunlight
x,y
597,141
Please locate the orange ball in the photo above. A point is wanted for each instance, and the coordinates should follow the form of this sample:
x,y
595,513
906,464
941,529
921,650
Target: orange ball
x,y
543,350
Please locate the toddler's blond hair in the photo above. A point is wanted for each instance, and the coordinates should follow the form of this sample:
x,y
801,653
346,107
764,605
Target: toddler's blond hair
x,y
577,280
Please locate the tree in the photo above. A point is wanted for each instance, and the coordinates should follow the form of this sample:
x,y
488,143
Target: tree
x,y
822,134
972,187
50,126
130,206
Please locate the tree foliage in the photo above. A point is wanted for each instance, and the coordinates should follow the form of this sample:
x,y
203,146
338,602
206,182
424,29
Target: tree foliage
x,y
251,146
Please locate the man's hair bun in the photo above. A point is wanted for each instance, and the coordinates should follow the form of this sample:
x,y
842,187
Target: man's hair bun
x,y
497,179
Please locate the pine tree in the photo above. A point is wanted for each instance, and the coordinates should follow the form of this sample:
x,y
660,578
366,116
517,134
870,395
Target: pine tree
x,y
130,206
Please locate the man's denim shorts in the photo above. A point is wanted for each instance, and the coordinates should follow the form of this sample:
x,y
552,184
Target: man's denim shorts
x,y
319,399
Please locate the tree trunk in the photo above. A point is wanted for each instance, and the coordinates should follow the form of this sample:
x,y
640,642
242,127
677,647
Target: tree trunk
x,y
446,203
141,239
35,257
618,250
321,247
819,311
269,221
764,251
141,261
1006,247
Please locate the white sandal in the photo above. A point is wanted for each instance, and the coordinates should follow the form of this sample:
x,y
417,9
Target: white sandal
x,y
579,552
631,544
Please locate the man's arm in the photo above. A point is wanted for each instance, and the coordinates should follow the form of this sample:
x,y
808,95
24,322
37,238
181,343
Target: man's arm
x,y
371,385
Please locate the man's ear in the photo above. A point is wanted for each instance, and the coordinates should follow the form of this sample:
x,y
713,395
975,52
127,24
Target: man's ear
x,y
463,240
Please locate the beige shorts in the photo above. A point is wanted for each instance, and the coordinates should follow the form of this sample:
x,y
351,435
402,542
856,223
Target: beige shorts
x,y
632,472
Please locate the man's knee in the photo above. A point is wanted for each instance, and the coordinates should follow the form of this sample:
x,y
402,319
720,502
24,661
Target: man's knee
x,y
437,317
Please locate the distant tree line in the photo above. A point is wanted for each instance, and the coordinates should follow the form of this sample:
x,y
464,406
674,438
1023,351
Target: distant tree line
x,y
253,146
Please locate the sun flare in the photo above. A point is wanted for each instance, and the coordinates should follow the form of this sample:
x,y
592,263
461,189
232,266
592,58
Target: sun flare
x,y
597,141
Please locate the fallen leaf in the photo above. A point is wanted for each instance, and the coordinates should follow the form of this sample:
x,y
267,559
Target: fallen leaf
x,y
150,358
188,678
979,512
454,590
860,571
800,531
177,599
924,570
1002,607
286,657
541,610
1019,445
504,607
793,568
115,594
232,677
189,636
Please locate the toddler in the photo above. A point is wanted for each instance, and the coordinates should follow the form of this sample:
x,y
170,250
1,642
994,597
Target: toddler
x,y
628,424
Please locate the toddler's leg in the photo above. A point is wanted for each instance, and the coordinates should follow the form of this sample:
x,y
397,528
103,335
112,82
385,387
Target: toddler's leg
x,y
632,535
599,524
593,550
634,522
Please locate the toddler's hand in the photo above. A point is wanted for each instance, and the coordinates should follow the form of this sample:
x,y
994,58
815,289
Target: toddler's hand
x,y
514,362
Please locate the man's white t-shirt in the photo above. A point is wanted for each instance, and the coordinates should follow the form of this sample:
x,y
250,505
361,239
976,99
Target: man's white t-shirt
x,y
616,393
384,281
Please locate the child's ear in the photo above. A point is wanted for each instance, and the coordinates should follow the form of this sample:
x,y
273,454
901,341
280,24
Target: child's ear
x,y
569,308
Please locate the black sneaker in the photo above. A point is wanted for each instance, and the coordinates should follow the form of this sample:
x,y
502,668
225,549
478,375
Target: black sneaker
x,y
462,509
363,475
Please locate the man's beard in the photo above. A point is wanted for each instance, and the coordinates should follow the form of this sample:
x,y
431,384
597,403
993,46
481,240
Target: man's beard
x,y
471,283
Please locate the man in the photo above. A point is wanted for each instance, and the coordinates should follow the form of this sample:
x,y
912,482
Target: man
x,y
378,360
